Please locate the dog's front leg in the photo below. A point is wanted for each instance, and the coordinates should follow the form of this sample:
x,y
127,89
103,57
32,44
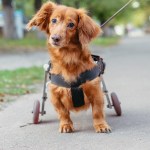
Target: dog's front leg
x,y
66,125
99,122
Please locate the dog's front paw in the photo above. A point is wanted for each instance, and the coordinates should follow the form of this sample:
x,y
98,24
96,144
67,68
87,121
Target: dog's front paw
x,y
102,128
66,128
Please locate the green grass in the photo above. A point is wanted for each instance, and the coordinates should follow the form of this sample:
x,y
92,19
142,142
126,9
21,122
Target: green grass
x,y
25,42
30,41
20,81
106,41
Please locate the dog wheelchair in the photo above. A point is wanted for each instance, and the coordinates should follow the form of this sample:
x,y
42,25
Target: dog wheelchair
x,y
111,102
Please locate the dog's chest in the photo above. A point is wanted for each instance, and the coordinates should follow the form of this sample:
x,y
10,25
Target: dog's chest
x,y
65,96
74,101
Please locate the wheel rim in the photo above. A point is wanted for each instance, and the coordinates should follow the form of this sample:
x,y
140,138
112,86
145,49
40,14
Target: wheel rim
x,y
116,104
36,112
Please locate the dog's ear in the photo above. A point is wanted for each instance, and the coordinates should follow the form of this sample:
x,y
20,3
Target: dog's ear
x,y
42,17
87,28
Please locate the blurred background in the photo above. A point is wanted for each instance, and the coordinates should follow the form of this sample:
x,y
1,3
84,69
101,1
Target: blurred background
x,y
21,50
14,15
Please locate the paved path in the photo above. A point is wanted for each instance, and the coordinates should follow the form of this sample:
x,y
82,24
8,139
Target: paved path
x,y
128,73
28,59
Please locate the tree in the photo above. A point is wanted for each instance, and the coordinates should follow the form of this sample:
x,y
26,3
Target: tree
x,y
105,8
58,1
9,30
145,6
101,9
37,5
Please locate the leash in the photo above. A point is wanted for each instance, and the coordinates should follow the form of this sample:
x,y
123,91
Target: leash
x,y
121,9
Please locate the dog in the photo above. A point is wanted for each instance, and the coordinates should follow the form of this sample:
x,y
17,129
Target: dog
x,y
69,32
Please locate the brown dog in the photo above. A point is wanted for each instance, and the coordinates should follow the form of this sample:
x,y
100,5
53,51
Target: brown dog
x,y
69,32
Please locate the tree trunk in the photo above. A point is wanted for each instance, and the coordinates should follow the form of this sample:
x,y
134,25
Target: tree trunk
x,y
58,1
9,30
37,5
77,3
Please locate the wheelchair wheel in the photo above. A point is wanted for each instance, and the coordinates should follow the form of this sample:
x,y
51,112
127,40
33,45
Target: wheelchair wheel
x,y
36,112
116,104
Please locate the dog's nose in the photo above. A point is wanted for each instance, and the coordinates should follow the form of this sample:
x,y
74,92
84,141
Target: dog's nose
x,y
56,38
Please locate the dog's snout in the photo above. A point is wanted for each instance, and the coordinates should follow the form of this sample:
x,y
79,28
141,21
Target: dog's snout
x,y
56,38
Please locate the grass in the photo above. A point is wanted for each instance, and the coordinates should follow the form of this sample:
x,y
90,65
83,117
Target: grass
x,y
106,41
31,42
25,42
20,81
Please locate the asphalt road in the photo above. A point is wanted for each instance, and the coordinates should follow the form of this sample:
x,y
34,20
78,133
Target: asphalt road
x,y
23,59
127,73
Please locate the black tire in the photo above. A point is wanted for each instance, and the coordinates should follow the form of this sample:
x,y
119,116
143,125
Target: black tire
x,y
36,112
116,104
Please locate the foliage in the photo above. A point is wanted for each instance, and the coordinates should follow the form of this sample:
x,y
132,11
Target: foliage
x,y
102,9
145,7
26,6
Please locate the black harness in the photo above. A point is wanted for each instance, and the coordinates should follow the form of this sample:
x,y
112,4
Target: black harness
x,y
88,75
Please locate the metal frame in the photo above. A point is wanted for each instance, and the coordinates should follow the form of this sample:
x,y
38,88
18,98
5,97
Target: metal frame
x,y
44,96
109,105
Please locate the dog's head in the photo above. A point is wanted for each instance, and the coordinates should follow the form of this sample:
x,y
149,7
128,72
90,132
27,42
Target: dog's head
x,y
65,25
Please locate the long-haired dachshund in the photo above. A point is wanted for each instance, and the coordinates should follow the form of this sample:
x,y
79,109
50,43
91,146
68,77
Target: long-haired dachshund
x,y
69,32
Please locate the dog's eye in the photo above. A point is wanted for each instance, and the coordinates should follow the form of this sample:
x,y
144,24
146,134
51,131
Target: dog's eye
x,y
54,20
70,25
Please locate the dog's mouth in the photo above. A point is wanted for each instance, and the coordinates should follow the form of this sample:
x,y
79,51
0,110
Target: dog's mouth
x,y
56,44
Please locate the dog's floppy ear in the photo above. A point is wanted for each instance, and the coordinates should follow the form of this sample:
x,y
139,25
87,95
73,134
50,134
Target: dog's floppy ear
x,y
42,17
87,28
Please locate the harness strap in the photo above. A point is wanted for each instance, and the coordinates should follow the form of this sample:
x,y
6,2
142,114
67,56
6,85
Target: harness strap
x,y
88,75
77,97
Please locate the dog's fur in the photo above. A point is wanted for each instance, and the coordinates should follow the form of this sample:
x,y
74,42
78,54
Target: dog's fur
x,y
69,57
